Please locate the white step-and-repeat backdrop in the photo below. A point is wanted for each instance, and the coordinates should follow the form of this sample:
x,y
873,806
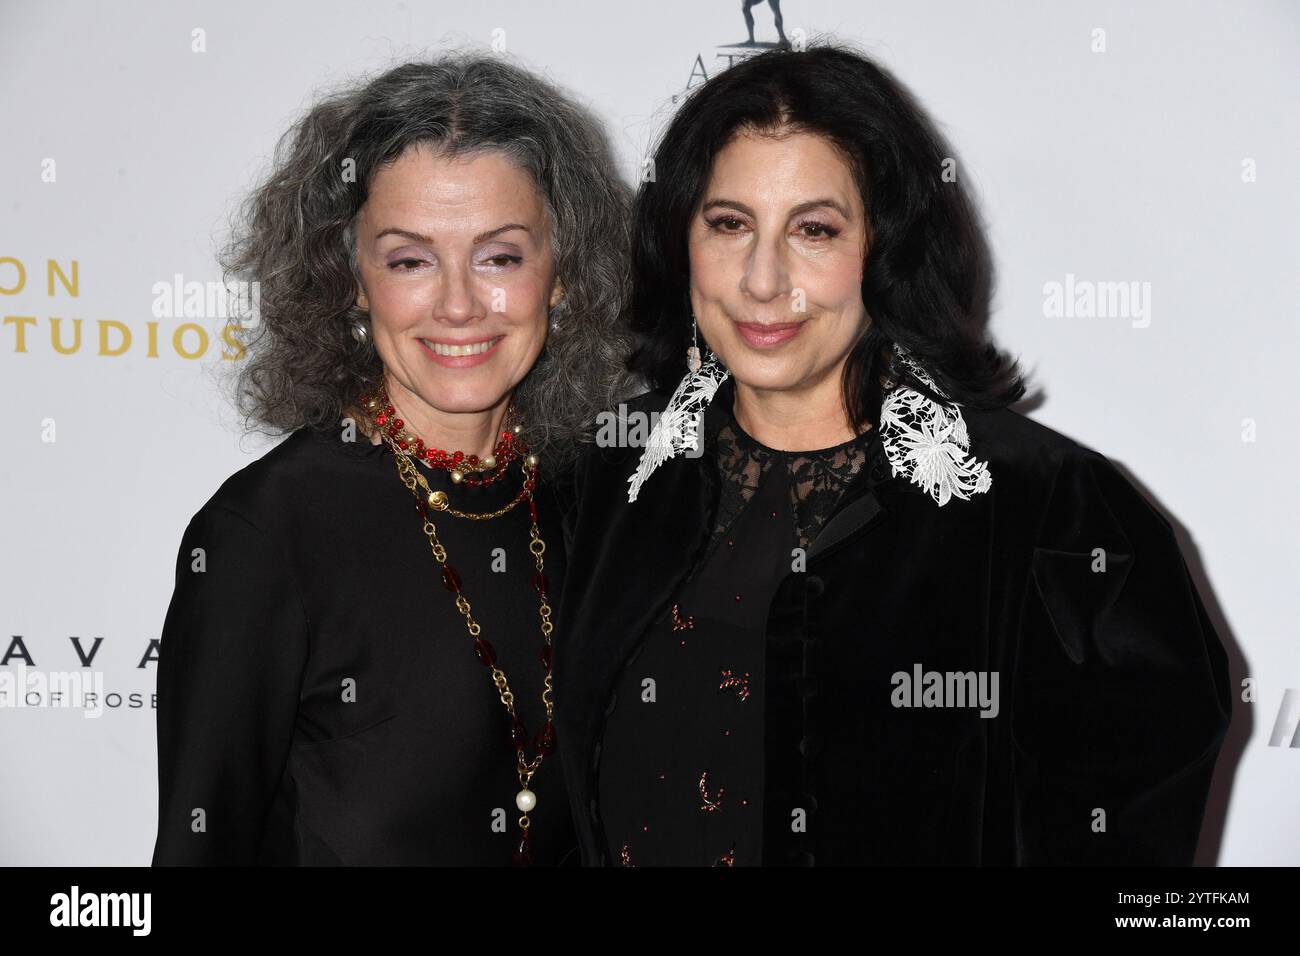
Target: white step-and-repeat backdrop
x,y
1149,145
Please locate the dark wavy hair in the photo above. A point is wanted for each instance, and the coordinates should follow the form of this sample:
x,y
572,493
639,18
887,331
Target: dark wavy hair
x,y
925,280
295,236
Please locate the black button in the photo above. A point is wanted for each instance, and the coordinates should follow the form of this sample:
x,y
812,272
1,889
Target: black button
x,y
814,586
807,686
811,745
808,802
803,858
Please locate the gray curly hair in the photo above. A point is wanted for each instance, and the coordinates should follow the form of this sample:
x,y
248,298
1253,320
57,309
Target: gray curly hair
x,y
295,236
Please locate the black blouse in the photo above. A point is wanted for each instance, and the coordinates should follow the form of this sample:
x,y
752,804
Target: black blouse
x,y
319,698
681,776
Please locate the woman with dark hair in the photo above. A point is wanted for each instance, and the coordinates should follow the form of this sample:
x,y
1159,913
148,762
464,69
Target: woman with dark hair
x,y
846,606
356,662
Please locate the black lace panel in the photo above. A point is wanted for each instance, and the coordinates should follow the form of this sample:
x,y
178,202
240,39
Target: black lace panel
x,y
817,478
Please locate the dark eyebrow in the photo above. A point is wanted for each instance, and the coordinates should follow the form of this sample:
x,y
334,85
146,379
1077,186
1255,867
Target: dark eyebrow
x,y
426,240
485,236
801,208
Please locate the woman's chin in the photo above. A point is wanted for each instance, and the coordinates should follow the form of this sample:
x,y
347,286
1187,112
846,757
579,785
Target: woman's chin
x,y
768,376
463,397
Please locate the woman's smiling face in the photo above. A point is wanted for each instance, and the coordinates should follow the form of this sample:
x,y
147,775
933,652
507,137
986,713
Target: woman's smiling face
x,y
457,272
776,254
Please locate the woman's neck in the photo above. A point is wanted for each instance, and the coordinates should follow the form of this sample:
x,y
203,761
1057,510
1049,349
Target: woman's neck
x,y
474,433
803,420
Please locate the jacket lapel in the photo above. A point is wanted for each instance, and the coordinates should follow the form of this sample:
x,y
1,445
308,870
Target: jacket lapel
x,y
632,558
669,527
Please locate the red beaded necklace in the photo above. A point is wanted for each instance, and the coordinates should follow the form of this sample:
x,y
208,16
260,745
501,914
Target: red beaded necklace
x,y
467,468
509,447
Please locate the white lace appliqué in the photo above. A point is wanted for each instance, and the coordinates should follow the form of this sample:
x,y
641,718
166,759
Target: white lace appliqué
x,y
928,443
679,427
924,441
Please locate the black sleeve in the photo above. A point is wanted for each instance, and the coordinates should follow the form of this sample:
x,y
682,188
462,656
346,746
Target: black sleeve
x,y
1121,698
233,649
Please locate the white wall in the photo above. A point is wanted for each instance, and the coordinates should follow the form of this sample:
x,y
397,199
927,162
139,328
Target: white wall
x,y
1116,166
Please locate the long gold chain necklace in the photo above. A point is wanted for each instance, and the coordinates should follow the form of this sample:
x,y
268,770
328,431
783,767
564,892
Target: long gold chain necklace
x,y
510,447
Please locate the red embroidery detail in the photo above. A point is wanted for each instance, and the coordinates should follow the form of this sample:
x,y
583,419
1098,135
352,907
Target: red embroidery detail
x,y
626,856
728,858
738,684
709,803
679,624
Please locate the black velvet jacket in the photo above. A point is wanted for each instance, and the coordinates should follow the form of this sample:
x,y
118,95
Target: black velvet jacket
x,y
1112,686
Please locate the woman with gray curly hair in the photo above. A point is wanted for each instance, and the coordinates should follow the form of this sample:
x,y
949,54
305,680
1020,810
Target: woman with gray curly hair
x,y
356,663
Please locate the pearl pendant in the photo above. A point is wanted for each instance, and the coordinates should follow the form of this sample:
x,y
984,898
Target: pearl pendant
x,y
525,800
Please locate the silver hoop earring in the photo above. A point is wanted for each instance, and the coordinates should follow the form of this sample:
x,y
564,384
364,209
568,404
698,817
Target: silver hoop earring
x,y
360,332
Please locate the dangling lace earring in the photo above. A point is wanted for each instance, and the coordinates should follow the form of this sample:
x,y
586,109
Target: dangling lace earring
x,y
693,353
678,428
926,442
